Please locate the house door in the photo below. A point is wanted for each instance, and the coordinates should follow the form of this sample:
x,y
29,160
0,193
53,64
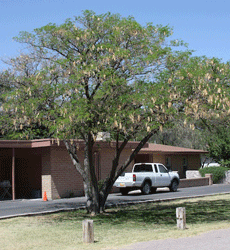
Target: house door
x,y
184,166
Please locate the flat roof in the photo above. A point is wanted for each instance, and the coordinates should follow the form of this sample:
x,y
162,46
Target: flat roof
x,y
166,149
148,147
25,143
54,142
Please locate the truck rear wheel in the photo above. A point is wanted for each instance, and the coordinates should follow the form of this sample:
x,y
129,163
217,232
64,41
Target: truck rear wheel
x,y
146,188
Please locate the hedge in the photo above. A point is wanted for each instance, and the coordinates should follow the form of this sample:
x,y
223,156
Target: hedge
x,y
217,172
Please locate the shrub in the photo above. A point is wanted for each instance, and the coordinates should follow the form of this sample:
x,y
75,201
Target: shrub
x,y
217,172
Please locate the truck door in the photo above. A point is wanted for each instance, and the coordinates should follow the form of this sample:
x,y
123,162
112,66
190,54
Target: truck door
x,y
163,177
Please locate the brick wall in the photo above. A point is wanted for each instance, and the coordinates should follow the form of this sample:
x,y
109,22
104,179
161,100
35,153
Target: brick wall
x,y
195,182
66,181
159,158
60,179
193,161
46,173
106,157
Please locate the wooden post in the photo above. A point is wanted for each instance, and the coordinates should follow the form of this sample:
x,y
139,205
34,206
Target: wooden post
x,y
88,233
181,217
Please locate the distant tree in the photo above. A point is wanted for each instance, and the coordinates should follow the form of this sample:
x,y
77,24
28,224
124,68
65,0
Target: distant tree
x,y
11,81
181,135
218,140
206,90
102,73
214,91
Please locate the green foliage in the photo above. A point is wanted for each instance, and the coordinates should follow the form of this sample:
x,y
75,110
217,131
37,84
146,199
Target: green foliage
x,y
35,131
203,88
219,142
90,74
218,172
108,73
178,134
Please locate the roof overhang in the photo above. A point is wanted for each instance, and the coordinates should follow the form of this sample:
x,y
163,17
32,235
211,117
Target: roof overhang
x,y
169,150
54,143
25,143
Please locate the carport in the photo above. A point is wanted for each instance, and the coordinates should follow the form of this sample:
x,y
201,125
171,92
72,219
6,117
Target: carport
x,y
20,169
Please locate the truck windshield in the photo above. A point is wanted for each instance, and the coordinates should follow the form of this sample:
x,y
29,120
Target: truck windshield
x,y
143,168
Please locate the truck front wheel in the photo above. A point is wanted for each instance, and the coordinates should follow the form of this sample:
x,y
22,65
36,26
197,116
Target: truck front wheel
x,y
174,185
146,188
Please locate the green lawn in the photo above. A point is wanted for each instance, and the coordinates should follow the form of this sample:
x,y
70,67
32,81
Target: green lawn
x,y
117,227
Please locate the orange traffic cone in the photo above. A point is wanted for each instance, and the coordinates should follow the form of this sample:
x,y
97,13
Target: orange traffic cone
x,y
45,197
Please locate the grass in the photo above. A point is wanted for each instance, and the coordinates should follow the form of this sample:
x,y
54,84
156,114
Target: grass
x,y
117,227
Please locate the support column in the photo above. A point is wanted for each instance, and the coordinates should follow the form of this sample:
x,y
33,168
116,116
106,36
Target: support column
x,y
13,173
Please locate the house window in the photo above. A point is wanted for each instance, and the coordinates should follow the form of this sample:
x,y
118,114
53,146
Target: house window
x,y
184,165
185,161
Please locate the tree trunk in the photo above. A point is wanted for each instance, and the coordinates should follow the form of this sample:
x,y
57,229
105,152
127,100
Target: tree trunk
x,y
108,184
95,200
87,172
90,182
92,198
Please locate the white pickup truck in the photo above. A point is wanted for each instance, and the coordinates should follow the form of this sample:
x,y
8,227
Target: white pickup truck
x,y
147,177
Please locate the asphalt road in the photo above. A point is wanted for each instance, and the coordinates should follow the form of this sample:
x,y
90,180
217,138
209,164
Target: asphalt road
x,y
29,207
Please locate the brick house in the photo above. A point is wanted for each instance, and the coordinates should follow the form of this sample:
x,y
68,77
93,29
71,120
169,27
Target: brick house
x,y
174,158
33,167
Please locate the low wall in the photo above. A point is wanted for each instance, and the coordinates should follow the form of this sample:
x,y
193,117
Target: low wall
x,y
194,174
194,182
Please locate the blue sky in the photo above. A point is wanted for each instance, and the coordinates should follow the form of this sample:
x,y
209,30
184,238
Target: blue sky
x,y
204,25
